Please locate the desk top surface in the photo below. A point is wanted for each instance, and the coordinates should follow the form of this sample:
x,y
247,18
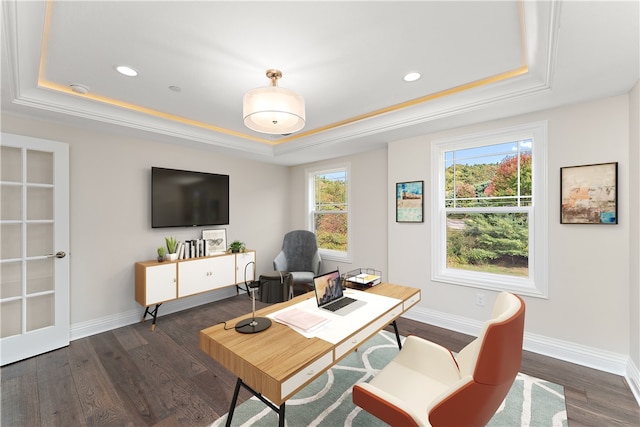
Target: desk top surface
x,y
268,349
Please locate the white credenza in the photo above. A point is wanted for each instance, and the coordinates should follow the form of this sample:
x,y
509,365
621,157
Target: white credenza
x,y
158,282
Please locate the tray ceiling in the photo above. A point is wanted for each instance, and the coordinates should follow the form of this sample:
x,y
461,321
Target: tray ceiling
x,y
478,60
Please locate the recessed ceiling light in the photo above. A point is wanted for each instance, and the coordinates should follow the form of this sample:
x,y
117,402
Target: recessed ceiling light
x,y
411,77
78,88
126,71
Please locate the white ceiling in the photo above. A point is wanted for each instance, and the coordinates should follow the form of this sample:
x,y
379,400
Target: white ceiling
x,y
479,61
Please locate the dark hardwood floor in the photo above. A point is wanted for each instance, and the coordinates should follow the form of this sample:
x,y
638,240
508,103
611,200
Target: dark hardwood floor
x,y
134,377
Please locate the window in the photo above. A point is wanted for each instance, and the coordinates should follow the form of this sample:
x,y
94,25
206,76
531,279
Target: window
x,y
489,212
328,191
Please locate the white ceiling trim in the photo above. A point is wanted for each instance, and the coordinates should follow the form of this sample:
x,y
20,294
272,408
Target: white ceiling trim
x,y
546,83
27,62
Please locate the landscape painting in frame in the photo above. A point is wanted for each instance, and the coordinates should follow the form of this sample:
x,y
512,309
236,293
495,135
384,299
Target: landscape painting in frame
x,y
409,201
589,194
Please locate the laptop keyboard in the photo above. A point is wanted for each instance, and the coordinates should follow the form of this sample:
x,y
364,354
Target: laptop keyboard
x,y
337,305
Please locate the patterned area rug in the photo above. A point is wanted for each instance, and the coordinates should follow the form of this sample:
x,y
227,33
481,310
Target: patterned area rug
x,y
327,400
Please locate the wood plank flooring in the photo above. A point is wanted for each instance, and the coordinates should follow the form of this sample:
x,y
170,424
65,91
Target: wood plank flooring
x,y
135,377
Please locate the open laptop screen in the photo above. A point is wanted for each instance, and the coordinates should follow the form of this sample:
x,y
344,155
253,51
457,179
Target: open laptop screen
x,y
328,287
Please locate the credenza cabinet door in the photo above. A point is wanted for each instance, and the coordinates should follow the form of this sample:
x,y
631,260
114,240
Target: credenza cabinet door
x,y
242,262
159,284
201,275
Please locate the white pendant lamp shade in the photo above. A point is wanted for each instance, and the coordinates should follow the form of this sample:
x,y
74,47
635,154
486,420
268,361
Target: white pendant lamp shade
x,y
272,109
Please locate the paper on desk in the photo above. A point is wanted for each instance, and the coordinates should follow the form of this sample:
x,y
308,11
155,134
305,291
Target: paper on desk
x,y
302,319
338,327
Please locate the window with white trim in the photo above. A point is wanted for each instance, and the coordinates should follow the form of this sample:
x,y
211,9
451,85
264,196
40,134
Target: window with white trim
x,y
328,210
489,219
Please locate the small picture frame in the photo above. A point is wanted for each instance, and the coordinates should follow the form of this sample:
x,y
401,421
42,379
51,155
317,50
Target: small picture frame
x,y
589,194
409,201
215,241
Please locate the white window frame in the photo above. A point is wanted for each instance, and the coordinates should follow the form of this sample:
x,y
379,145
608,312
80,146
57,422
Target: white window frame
x,y
328,254
536,283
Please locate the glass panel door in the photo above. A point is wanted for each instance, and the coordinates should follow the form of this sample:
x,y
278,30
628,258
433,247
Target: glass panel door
x,y
34,223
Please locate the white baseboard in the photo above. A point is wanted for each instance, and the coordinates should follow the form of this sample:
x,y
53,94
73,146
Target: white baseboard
x,y
633,378
595,358
107,323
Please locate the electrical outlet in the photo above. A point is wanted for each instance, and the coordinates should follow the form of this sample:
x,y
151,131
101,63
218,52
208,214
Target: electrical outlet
x,y
480,300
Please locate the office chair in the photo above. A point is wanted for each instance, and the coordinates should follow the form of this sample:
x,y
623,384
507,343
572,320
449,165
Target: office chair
x,y
426,385
300,257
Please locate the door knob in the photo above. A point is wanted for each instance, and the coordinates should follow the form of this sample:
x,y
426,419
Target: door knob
x,y
59,254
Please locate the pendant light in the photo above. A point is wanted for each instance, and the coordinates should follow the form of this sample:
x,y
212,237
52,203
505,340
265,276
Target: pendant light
x,y
272,109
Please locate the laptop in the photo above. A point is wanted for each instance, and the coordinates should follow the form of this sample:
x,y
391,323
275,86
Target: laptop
x,y
330,296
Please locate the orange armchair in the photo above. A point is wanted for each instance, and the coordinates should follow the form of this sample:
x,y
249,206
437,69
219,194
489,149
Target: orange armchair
x,y
426,385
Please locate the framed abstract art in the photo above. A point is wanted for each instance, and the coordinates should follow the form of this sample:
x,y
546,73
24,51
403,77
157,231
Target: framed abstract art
x,y
589,194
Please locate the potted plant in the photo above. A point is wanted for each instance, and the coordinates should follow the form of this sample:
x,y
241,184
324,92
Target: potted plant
x,y
160,253
236,246
172,247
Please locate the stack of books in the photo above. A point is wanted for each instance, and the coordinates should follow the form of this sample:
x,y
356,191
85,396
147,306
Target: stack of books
x,y
192,249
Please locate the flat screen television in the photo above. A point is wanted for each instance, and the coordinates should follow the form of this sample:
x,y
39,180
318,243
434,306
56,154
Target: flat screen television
x,y
188,199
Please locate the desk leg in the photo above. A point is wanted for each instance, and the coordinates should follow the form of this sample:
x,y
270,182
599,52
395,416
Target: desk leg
x,y
233,402
281,416
240,383
395,328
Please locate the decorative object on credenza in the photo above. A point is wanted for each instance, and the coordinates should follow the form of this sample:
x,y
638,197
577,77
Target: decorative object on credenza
x,y
215,241
160,253
409,201
589,194
172,246
237,246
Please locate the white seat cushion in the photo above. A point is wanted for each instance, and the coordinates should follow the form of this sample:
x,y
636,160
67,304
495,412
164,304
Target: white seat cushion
x,y
414,389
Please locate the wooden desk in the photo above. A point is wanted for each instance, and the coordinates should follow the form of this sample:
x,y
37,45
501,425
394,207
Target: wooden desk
x,y
279,362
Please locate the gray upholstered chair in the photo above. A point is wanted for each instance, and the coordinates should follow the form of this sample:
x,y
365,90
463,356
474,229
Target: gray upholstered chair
x,y
300,257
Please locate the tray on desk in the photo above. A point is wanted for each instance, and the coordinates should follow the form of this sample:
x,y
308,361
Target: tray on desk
x,y
362,278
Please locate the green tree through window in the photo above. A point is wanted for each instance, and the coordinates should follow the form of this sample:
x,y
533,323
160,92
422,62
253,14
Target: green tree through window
x,y
489,219
330,209
482,187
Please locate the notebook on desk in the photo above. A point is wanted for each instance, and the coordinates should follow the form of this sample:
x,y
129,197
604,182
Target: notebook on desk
x,y
330,295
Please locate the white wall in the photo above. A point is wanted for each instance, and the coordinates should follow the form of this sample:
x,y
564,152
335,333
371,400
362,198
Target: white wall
x,y
634,252
110,211
587,316
588,264
593,270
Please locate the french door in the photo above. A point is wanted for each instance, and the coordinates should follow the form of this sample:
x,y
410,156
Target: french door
x,y
34,234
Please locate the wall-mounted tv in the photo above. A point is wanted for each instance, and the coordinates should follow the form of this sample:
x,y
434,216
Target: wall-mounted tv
x,y
187,199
